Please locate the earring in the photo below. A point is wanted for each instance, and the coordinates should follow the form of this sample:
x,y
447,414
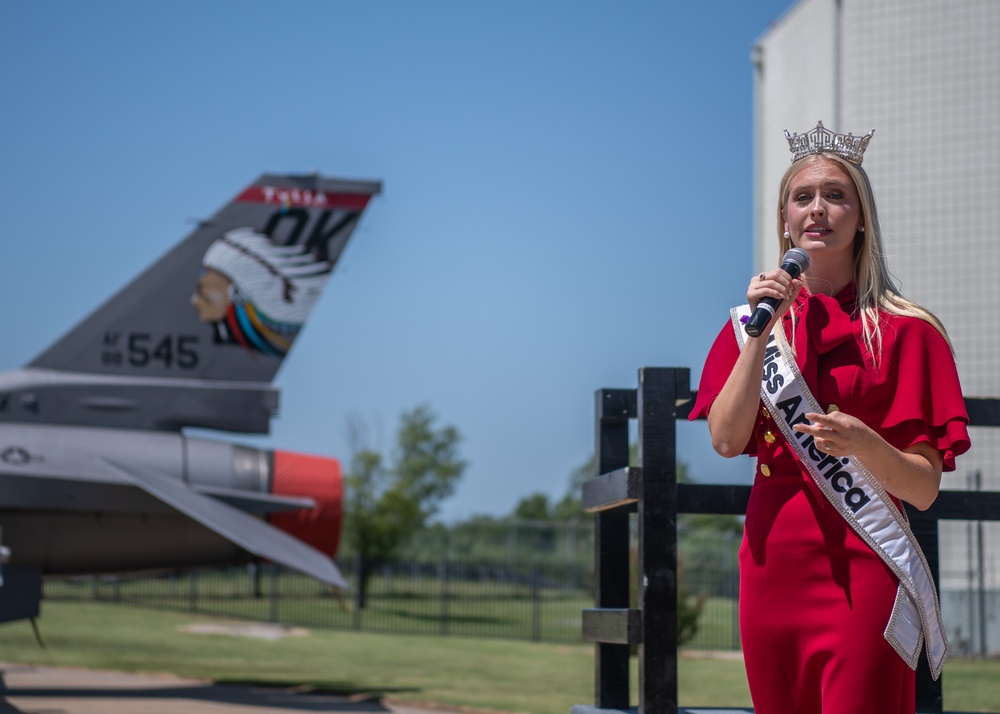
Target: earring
x,y
788,235
861,229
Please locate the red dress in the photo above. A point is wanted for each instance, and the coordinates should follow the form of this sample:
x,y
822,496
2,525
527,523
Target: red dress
x,y
814,598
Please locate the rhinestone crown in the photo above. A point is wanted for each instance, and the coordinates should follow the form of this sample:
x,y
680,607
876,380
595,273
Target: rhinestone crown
x,y
822,140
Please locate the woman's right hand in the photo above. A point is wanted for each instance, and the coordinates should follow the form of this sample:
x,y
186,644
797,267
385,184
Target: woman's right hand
x,y
776,284
733,415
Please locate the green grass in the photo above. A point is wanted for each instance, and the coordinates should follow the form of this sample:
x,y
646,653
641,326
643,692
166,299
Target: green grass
x,y
502,675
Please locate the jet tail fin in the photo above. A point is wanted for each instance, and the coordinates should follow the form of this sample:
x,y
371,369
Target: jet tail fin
x,y
228,301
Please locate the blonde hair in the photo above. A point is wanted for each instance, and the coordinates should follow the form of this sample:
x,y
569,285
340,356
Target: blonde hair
x,y
876,289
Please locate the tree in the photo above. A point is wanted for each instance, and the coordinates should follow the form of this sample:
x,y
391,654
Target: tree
x,y
534,507
386,505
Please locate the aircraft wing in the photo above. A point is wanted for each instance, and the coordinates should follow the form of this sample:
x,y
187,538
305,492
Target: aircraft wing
x,y
248,532
256,502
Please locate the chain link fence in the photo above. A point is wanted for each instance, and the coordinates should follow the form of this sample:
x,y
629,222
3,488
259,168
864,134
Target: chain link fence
x,y
519,599
537,600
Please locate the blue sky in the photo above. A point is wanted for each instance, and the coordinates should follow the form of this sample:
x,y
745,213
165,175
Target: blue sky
x,y
566,198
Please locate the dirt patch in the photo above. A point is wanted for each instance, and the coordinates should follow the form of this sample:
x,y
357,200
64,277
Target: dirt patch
x,y
256,630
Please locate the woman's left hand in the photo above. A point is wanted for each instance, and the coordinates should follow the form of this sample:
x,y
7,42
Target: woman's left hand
x,y
913,474
837,433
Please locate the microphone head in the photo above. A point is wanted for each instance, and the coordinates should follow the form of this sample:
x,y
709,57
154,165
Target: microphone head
x,y
798,257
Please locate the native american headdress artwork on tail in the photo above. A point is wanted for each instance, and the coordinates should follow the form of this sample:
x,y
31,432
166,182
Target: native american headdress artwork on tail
x,y
227,302
257,294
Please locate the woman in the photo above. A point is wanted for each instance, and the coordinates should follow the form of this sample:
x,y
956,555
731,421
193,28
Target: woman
x,y
816,591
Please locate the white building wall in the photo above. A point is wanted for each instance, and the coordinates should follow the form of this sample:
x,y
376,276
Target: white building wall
x,y
794,70
926,75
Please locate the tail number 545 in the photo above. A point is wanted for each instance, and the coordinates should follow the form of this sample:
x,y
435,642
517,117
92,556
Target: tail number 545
x,y
143,350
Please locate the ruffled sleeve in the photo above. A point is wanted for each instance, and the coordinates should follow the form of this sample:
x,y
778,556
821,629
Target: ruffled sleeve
x,y
718,365
927,403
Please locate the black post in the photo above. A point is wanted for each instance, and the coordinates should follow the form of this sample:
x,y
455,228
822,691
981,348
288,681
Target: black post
x,y
659,391
981,599
275,575
193,591
536,604
360,590
611,547
929,694
443,588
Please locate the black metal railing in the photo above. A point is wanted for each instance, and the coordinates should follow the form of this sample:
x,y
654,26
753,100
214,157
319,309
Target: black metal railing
x,y
650,490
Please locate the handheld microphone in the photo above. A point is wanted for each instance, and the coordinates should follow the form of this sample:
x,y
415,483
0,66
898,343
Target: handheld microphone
x,y
794,262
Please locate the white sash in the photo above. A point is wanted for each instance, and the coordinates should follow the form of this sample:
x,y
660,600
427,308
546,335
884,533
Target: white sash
x,y
861,500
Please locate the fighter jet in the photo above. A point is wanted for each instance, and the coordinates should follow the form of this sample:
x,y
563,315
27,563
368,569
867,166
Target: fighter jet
x,y
97,472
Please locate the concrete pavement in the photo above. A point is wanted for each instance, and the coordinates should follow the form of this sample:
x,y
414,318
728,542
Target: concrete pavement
x,y
30,689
